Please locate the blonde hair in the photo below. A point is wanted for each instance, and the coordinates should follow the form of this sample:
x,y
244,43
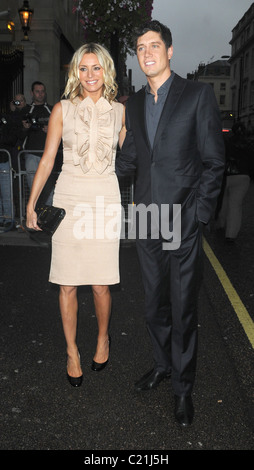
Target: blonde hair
x,y
73,86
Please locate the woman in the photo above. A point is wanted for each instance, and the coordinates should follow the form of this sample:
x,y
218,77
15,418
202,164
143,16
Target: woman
x,y
90,122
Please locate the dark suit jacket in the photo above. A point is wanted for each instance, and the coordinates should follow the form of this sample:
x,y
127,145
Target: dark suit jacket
x,y
186,163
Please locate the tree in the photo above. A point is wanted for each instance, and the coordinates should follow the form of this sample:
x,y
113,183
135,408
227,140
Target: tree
x,y
111,23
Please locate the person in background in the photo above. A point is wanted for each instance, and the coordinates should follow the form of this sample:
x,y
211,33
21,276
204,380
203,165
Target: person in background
x,y
36,125
174,145
239,165
19,105
18,110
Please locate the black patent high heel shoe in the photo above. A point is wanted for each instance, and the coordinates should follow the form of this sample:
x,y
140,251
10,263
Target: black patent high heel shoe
x,y
98,366
75,381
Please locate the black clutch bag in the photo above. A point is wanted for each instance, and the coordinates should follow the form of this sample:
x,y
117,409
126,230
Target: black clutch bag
x,y
49,217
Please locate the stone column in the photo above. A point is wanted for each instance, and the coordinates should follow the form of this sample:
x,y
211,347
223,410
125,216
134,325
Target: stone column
x,y
31,67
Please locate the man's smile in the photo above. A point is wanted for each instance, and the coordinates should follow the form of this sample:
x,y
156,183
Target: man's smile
x,y
150,62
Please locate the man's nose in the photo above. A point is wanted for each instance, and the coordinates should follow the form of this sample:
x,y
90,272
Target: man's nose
x,y
148,52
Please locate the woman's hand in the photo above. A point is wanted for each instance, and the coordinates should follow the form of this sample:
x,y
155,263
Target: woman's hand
x,y
31,219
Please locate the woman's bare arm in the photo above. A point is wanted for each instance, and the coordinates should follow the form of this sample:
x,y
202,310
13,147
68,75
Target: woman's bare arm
x,y
46,164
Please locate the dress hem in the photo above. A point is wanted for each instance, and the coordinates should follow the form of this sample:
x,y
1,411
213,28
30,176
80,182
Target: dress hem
x,y
95,283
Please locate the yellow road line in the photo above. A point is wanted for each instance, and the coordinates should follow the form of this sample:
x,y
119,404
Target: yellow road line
x,y
239,308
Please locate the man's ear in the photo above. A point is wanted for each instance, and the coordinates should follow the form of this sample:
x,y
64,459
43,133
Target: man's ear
x,y
170,52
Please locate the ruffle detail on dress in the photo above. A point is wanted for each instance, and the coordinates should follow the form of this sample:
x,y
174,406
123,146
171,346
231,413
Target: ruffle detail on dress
x,y
94,133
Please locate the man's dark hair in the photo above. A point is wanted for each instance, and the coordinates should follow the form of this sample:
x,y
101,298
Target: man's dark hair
x,y
37,83
157,27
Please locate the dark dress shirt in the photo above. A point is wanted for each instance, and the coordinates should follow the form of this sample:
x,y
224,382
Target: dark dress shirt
x,y
154,109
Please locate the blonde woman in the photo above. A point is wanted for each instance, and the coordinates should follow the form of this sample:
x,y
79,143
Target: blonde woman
x,y
85,247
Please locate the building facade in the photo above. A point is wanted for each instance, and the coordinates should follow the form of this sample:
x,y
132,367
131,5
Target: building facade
x,y
55,33
242,69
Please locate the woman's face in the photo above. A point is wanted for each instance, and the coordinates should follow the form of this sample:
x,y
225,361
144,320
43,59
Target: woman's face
x,y
91,75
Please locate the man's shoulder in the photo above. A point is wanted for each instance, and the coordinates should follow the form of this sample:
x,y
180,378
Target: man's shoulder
x,y
178,81
194,89
136,98
41,109
179,84
137,94
48,106
193,84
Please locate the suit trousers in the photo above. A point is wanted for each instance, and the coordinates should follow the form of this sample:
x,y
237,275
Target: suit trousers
x,y
171,280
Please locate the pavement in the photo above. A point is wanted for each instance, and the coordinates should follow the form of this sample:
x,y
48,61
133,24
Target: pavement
x,y
106,416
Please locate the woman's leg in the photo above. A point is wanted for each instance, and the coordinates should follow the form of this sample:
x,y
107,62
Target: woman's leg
x,y
69,311
102,303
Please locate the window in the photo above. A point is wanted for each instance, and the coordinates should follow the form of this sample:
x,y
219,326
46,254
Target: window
x,y
234,71
252,93
246,61
244,99
222,99
234,102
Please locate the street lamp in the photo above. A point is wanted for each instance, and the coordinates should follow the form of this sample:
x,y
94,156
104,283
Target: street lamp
x,y
25,15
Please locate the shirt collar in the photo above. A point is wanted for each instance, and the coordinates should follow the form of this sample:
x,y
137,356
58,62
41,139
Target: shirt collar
x,y
164,87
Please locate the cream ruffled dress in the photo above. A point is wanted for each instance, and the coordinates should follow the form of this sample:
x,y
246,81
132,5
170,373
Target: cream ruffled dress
x,y
85,247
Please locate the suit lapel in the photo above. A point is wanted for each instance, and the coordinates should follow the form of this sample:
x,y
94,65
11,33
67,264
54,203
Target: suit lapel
x,y
174,94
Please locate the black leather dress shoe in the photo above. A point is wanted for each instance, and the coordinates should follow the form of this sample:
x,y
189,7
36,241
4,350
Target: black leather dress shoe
x,y
151,380
184,410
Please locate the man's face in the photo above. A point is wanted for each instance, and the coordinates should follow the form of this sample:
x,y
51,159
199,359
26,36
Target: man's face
x,y
39,94
153,56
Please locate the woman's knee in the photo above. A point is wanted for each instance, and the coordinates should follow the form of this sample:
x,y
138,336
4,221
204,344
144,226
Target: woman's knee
x,y
100,291
68,291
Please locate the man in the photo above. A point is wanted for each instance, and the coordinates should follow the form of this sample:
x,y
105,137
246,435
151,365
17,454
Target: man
x,y
174,144
36,125
18,110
